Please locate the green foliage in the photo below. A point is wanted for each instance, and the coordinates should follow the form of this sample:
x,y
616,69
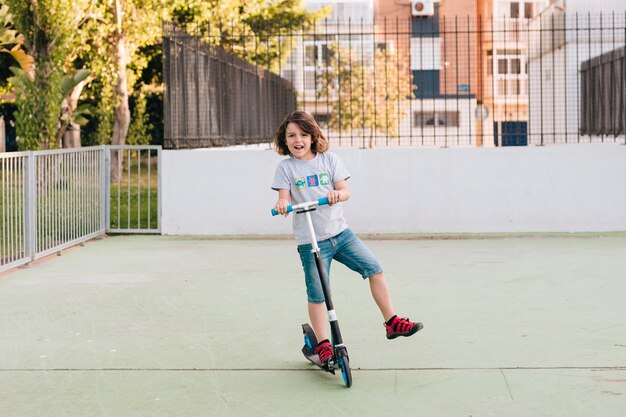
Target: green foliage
x,y
63,36
142,28
251,29
49,31
365,95
11,41
140,127
72,80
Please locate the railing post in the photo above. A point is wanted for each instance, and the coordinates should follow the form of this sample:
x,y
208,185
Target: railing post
x,y
30,207
160,188
105,188
2,135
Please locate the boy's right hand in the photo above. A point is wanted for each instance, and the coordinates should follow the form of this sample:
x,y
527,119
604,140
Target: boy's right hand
x,y
281,206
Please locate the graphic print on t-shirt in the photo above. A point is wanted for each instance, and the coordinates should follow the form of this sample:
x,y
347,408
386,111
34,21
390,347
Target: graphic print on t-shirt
x,y
300,183
312,181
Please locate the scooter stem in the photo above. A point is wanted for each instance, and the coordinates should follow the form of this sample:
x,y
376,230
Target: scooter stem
x,y
332,316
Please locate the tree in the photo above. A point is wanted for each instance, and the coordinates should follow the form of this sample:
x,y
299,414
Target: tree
x,y
114,39
111,37
48,27
365,94
49,31
122,112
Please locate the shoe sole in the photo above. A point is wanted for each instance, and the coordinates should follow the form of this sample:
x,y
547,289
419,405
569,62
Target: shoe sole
x,y
415,329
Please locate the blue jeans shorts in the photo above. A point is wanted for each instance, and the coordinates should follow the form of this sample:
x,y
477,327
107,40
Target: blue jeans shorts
x,y
346,248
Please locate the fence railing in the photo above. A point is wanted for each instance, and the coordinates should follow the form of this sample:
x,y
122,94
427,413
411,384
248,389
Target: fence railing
x,y
14,175
603,106
133,189
439,81
52,200
215,98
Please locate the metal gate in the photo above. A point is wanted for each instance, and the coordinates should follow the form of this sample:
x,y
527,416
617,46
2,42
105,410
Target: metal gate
x,y
52,200
133,189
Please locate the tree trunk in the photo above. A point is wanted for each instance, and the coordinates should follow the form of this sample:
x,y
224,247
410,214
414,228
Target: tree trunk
x,y
64,122
71,136
122,112
63,137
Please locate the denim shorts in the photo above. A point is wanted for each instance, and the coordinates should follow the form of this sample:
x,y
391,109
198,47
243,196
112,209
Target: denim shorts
x,y
346,248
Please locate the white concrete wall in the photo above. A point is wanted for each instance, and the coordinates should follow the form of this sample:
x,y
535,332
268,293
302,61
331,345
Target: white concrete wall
x,y
531,189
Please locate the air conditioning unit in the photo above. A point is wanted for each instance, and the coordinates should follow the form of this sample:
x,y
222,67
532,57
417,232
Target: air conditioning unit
x,y
422,7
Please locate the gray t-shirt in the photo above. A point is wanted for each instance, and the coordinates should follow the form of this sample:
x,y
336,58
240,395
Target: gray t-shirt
x,y
312,180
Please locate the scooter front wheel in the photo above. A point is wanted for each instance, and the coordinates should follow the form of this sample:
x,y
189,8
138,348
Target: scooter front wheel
x,y
344,365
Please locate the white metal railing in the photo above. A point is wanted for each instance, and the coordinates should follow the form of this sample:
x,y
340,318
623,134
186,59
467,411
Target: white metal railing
x,y
133,189
13,198
51,200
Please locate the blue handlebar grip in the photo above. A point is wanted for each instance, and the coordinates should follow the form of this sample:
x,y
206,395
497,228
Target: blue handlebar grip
x,y
320,202
289,210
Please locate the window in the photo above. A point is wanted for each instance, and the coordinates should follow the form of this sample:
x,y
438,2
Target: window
x,y
425,53
515,66
528,10
310,55
436,119
502,90
515,9
309,80
317,57
511,70
515,86
502,66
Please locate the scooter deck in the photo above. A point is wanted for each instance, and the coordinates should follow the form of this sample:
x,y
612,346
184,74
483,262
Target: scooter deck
x,y
308,350
314,359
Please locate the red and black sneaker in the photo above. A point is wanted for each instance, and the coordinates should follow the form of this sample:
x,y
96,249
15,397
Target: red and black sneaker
x,y
325,352
397,326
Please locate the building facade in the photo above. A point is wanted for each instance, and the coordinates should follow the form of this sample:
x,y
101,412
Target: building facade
x,y
467,62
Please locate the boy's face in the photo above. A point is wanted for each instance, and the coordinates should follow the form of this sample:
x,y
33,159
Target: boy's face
x,y
298,142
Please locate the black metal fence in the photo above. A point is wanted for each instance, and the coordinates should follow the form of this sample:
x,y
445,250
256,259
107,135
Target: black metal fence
x,y
215,98
603,105
438,81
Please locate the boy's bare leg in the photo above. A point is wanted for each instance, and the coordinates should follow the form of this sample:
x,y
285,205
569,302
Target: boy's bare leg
x,y
319,320
380,293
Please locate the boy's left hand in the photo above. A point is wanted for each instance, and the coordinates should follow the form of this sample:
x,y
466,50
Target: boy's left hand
x,y
334,197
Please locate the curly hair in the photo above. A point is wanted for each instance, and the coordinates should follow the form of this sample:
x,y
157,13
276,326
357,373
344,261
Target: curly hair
x,y
306,122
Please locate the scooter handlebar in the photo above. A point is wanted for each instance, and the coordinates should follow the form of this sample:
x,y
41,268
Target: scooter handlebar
x,y
290,208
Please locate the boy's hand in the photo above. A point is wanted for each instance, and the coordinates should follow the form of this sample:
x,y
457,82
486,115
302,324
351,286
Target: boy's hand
x,y
334,197
281,206
340,193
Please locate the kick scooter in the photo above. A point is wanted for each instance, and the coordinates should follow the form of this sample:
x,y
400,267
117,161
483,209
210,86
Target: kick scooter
x,y
340,353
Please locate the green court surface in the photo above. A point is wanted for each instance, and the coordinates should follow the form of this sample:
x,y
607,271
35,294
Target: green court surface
x,y
180,326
